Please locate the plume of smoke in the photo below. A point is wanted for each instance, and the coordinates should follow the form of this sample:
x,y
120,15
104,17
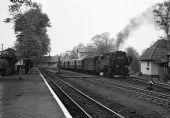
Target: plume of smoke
x,y
133,25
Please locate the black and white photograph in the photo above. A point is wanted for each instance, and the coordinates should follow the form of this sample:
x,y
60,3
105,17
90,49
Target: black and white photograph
x,y
85,59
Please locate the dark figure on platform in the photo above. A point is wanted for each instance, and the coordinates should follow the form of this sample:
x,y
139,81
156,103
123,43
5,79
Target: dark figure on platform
x,y
27,65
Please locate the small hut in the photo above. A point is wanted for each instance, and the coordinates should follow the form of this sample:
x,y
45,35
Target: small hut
x,y
154,59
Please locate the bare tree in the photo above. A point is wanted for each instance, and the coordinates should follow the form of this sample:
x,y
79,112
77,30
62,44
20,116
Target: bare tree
x,y
162,18
102,43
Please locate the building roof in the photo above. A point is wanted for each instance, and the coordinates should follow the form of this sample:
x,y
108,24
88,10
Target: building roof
x,y
157,52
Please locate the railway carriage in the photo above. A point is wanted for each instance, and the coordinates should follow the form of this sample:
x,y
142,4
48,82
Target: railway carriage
x,y
72,64
89,64
63,64
79,64
66,64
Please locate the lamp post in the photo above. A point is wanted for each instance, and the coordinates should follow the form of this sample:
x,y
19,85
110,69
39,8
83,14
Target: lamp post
x,y
168,48
59,64
168,57
20,69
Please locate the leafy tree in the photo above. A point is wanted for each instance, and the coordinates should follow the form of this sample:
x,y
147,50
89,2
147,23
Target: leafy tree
x,y
66,56
73,55
30,25
102,43
162,18
91,49
79,47
135,66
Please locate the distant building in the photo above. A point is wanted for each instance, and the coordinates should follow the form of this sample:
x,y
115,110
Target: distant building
x,y
18,64
82,53
49,60
154,59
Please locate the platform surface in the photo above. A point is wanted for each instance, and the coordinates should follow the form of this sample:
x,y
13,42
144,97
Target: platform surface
x,y
27,98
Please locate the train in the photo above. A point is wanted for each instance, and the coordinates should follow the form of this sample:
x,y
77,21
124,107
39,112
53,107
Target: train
x,y
113,64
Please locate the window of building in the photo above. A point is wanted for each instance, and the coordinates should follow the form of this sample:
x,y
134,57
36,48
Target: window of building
x,y
148,63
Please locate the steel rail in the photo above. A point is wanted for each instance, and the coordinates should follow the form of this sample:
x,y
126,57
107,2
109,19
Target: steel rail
x,y
154,99
138,89
89,97
67,95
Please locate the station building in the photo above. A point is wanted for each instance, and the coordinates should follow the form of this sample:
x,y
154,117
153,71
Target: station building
x,y
49,60
154,59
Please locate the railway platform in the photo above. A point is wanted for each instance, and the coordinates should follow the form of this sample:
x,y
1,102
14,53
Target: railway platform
x,y
28,98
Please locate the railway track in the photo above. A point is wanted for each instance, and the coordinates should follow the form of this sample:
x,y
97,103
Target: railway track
x,y
155,97
160,85
139,80
85,106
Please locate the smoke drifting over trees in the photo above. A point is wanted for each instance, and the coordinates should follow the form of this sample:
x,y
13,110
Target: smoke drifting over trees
x,y
133,25
103,43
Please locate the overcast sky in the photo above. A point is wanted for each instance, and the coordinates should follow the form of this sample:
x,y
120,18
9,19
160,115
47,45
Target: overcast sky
x,y
77,21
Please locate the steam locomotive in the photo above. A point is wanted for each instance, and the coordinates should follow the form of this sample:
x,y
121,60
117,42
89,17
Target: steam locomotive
x,y
110,64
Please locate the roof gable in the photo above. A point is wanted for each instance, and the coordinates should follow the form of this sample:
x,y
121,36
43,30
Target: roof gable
x,y
157,52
